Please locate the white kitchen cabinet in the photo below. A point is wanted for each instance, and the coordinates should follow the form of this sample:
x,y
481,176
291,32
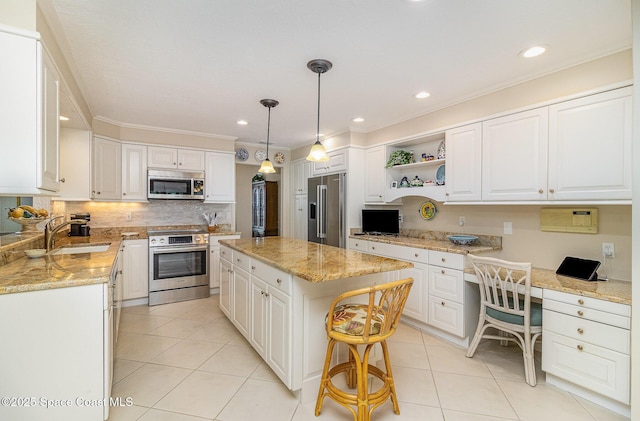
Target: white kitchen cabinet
x,y
514,156
464,163
300,173
226,281
300,212
214,258
54,348
220,177
29,127
75,165
374,178
241,299
259,315
107,169
587,342
135,268
174,158
590,147
337,162
446,293
134,172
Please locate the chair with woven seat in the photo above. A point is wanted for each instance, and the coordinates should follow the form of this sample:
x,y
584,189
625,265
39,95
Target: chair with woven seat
x,y
366,325
505,304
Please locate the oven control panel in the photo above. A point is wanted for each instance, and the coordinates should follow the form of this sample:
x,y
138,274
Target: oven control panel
x,y
178,239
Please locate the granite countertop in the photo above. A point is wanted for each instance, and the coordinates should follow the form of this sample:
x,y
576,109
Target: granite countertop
x,y
311,261
612,290
60,271
428,243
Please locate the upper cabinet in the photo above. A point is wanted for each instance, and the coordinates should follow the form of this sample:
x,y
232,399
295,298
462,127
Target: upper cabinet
x,y
134,172
29,126
220,177
75,165
300,173
590,147
107,169
464,163
374,161
173,158
514,156
337,162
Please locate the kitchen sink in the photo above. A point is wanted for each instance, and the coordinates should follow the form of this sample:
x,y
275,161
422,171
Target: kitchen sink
x,y
93,248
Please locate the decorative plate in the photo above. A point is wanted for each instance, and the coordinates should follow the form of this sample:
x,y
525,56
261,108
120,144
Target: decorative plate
x,y
261,155
440,175
427,210
242,154
279,157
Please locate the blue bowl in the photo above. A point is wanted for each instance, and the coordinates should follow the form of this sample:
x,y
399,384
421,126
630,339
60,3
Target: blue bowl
x,y
462,240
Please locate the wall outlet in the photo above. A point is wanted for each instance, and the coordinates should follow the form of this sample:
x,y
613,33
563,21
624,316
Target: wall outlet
x,y
461,221
400,219
608,250
128,216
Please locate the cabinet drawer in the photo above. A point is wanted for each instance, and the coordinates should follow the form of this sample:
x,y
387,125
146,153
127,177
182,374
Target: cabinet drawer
x,y
242,261
446,283
272,276
587,313
226,253
448,260
359,245
594,303
412,254
446,315
590,366
595,333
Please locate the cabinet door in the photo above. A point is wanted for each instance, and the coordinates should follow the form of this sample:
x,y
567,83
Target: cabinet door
x,y
446,315
220,177
214,266
279,335
135,269
337,162
48,154
226,285
374,186
300,173
134,172
107,171
75,164
161,157
241,300
464,163
446,283
416,305
300,230
590,147
514,156
259,316
190,160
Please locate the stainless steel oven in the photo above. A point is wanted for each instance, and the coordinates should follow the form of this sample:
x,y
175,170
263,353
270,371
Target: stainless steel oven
x,y
178,266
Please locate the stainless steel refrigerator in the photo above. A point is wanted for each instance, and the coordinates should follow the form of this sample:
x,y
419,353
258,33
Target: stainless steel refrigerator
x,y
327,196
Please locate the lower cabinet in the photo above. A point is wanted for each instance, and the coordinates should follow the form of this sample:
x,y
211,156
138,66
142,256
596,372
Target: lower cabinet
x,y
214,258
241,310
446,293
226,279
135,269
586,342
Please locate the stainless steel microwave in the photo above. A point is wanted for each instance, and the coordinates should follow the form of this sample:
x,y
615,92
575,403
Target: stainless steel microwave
x,y
173,184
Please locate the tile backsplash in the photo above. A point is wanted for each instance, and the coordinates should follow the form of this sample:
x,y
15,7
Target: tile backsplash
x,y
155,213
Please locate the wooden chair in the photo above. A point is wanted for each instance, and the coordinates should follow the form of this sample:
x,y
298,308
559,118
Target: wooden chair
x,y
363,324
505,304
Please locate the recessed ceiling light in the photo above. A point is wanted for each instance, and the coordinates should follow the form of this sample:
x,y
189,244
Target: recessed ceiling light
x,y
242,122
64,118
533,51
358,120
423,94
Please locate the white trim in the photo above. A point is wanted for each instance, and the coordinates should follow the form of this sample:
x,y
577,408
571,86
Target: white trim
x,y
162,129
20,32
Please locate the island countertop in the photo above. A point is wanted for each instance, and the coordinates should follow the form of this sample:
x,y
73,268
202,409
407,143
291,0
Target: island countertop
x,y
311,261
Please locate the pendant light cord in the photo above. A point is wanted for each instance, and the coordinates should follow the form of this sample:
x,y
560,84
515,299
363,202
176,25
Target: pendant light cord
x,y
268,129
318,128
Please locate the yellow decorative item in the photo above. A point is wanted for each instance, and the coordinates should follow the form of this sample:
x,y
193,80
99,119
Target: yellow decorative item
x,y
428,210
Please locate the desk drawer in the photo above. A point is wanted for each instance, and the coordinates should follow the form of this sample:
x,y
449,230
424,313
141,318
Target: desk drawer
x,y
588,302
448,260
587,313
272,276
359,245
412,254
606,336
446,283
446,315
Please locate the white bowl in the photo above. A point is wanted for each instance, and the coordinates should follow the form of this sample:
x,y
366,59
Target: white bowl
x,y
33,253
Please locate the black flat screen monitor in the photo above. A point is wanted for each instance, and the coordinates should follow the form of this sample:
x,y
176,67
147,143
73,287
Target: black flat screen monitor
x,y
579,268
380,221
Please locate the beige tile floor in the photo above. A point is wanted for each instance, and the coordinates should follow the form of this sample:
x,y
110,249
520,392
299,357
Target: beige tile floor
x,y
186,361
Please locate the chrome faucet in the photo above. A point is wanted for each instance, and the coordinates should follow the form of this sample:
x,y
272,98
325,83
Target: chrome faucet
x,y
50,231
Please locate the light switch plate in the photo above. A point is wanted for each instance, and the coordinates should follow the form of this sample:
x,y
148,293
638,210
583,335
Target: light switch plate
x,y
508,228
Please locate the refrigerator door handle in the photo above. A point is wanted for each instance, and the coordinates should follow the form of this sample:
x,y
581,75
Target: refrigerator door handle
x,y
322,210
312,210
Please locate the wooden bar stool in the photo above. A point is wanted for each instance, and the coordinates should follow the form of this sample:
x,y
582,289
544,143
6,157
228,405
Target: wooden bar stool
x,y
363,324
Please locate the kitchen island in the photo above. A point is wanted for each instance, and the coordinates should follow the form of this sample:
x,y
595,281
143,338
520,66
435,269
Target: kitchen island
x,y
276,291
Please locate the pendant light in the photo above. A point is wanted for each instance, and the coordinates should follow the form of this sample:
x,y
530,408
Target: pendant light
x,y
318,153
267,166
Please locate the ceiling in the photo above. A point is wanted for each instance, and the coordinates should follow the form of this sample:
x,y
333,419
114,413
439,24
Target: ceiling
x,y
202,65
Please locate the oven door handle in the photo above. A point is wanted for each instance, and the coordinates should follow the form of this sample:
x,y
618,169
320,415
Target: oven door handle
x,y
165,250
